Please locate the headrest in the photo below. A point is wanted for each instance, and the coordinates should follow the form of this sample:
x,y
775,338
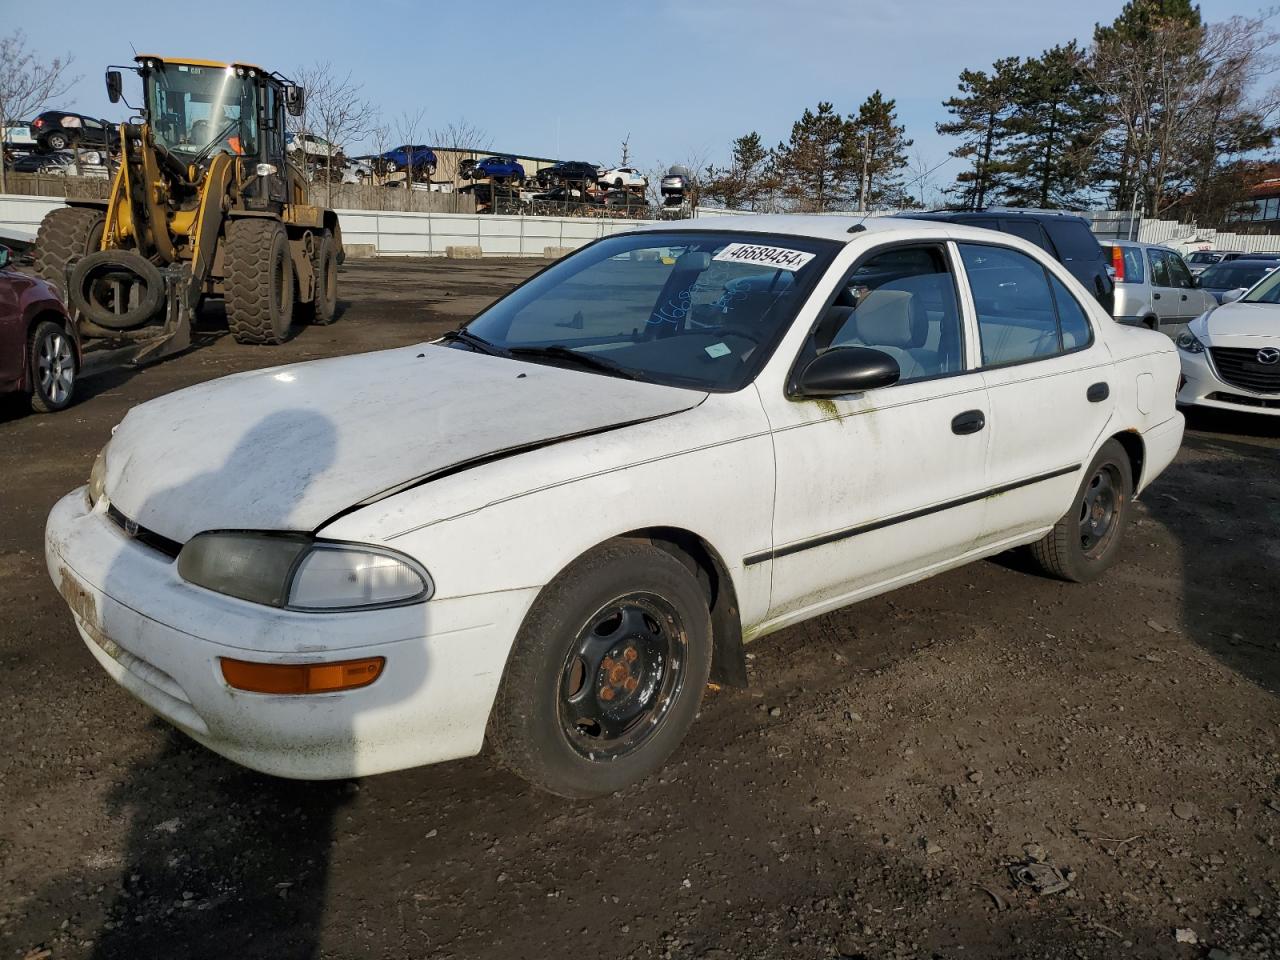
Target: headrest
x,y
890,318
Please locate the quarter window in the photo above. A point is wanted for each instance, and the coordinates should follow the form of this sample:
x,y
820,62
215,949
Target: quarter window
x,y
902,302
1019,304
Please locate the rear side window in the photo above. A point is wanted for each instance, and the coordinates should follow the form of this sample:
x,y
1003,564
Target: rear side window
x,y
1018,305
1159,268
1074,240
1028,230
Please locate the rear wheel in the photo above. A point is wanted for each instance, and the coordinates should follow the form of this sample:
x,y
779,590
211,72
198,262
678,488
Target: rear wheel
x,y
57,141
65,233
606,673
1086,541
1152,323
324,264
258,281
53,367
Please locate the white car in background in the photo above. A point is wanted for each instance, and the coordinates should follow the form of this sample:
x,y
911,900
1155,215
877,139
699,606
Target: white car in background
x,y
1231,354
624,178
548,530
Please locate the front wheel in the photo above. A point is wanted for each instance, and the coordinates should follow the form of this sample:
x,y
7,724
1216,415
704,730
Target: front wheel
x,y
53,367
258,281
1086,541
606,674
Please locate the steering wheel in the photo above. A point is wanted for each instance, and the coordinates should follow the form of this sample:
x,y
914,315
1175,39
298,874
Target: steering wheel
x,y
200,132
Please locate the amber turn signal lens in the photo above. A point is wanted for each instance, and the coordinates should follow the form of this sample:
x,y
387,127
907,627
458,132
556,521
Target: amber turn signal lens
x,y
301,677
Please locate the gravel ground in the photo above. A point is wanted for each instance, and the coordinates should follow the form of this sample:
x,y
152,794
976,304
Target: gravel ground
x,y
867,797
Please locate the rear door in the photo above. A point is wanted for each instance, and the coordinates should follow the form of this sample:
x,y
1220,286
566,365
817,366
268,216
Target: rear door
x,y
1165,294
1047,379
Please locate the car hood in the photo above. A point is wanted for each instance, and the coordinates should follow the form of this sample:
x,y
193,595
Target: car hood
x,y
288,448
1243,321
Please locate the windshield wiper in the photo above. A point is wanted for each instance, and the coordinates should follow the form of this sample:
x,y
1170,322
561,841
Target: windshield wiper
x,y
479,344
558,351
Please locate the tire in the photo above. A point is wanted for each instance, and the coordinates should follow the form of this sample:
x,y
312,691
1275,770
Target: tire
x,y
1086,541
323,310
57,141
258,281
65,233
618,183
51,354
101,267
1151,323
639,614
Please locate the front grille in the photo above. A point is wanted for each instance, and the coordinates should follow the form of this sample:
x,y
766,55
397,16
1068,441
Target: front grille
x,y
149,538
1244,401
1240,366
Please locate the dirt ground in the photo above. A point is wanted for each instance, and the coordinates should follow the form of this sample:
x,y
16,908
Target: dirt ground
x,y
865,798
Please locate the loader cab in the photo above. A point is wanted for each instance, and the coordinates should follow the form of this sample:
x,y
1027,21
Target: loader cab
x,y
198,108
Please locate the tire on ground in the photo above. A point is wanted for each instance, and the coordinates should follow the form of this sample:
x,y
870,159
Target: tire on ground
x,y
258,280
97,267
525,729
65,233
45,399
1061,552
323,309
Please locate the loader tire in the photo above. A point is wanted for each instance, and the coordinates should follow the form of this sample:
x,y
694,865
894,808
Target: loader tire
x,y
323,310
65,233
258,281
98,277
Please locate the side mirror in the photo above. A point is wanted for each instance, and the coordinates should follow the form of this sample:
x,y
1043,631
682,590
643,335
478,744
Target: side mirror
x,y
115,86
845,370
4,257
295,99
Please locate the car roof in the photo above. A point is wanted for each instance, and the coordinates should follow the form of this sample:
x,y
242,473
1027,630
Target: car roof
x,y
987,212
819,226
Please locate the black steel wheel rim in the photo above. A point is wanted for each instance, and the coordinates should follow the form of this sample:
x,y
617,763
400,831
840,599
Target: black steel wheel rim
x,y
1100,508
622,675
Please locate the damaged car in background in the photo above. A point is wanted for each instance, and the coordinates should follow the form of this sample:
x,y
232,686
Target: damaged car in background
x,y
547,531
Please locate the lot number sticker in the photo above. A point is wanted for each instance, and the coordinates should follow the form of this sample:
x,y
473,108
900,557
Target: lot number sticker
x,y
778,257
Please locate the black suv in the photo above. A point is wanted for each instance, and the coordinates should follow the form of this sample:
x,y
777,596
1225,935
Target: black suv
x,y
1064,236
58,130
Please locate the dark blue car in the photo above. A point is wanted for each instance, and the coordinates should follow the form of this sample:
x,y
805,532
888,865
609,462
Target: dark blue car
x,y
499,168
423,157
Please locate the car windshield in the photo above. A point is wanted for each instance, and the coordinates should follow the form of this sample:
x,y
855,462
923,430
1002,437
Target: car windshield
x,y
1204,256
1266,290
685,308
1235,274
197,109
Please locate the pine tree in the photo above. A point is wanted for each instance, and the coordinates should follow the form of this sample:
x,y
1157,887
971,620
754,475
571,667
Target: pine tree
x,y
879,153
981,113
748,180
1053,131
816,164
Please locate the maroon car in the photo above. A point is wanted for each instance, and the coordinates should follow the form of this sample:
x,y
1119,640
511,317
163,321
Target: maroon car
x,y
39,350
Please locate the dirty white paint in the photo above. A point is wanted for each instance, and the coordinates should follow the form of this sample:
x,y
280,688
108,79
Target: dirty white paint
x,y
1240,326
752,473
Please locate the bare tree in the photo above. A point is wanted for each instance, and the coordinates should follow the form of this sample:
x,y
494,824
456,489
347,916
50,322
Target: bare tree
x,y
460,137
335,110
920,181
27,83
407,129
626,151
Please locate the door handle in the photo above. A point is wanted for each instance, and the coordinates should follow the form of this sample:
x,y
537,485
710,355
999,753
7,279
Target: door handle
x,y
1155,296
1184,296
971,421
1098,392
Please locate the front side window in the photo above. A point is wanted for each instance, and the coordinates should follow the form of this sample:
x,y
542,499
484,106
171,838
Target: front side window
x,y
201,110
1018,307
691,308
903,303
1178,271
1159,268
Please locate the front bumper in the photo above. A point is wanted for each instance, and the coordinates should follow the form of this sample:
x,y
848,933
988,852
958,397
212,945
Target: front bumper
x,y
161,639
1202,387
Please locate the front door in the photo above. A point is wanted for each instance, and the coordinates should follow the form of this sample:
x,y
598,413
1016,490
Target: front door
x,y
874,488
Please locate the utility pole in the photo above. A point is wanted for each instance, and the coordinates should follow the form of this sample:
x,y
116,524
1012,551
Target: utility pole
x,y
864,184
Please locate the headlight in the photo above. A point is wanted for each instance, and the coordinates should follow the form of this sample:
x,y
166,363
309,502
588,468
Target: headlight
x,y
98,478
1188,341
298,573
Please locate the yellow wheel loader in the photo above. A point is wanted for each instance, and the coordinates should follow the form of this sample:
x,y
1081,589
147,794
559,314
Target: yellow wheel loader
x,y
204,203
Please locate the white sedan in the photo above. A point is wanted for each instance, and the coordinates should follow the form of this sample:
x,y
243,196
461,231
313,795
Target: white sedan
x,y
550,529
1231,354
624,177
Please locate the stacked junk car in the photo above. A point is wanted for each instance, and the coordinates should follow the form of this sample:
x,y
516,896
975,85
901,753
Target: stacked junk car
x,y
204,204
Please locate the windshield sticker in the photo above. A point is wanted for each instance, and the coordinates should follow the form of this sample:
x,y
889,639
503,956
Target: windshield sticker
x,y
718,350
778,257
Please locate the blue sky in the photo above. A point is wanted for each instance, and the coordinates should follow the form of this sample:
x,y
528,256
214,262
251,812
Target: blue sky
x,y
572,79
